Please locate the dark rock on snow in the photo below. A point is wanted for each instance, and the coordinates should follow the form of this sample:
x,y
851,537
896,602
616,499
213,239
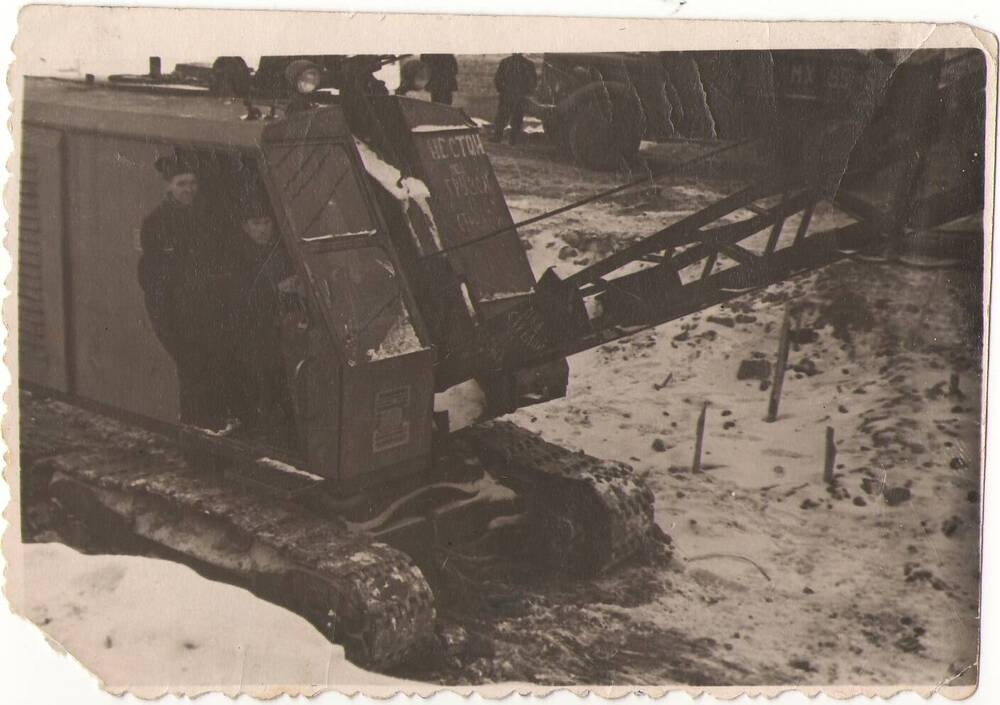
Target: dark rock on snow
x,y
754,369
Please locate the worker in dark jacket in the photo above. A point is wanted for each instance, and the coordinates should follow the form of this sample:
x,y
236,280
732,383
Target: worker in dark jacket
x,y
358,86
181,274
444,76
264,286
515,80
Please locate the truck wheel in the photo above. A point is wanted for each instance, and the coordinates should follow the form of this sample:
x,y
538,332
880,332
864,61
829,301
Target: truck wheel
x,y
605,132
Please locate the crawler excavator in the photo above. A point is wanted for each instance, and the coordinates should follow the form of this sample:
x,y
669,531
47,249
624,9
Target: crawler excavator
x,y
417,301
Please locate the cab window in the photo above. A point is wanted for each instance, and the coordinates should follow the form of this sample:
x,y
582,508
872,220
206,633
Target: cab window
x,y
320,192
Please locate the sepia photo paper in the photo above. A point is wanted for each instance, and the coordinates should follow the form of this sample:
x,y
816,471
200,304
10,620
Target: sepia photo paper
x,y
379,353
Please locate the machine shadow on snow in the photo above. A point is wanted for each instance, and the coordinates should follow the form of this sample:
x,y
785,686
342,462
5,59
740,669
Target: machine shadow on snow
x,y
270,320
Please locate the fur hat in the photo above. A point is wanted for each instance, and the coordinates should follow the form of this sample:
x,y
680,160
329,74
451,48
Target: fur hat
x,y
174,164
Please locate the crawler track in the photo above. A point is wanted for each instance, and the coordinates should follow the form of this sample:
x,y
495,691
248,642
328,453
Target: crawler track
x,y
594,513
363,594
118,480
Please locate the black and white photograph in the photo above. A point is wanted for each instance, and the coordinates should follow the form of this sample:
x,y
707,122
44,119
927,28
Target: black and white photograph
x,y
400,370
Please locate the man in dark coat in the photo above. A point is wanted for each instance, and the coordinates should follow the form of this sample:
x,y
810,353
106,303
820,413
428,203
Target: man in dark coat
x,y
264,286
515,80
358,85
444,76
181,274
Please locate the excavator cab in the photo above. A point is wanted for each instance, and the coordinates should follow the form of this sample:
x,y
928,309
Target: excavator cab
x,y
394,298
360,365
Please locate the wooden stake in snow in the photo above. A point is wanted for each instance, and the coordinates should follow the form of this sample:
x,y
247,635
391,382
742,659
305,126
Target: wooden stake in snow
x,y
954,389
699,434
831,456
779,368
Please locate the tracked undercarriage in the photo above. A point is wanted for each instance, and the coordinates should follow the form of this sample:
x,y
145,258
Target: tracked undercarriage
x,y
276,533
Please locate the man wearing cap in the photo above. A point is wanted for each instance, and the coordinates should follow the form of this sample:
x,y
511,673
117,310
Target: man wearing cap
x,y
181,274
264,285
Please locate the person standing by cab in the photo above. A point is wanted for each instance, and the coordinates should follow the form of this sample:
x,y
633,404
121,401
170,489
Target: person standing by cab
x,y
264,287
182,276
515,80
444,76
358,85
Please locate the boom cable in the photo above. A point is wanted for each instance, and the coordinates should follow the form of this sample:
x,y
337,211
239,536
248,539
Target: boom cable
x,y
593,197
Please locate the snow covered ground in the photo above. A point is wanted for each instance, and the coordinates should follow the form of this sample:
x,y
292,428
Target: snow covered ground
x,y
147,625
776,578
